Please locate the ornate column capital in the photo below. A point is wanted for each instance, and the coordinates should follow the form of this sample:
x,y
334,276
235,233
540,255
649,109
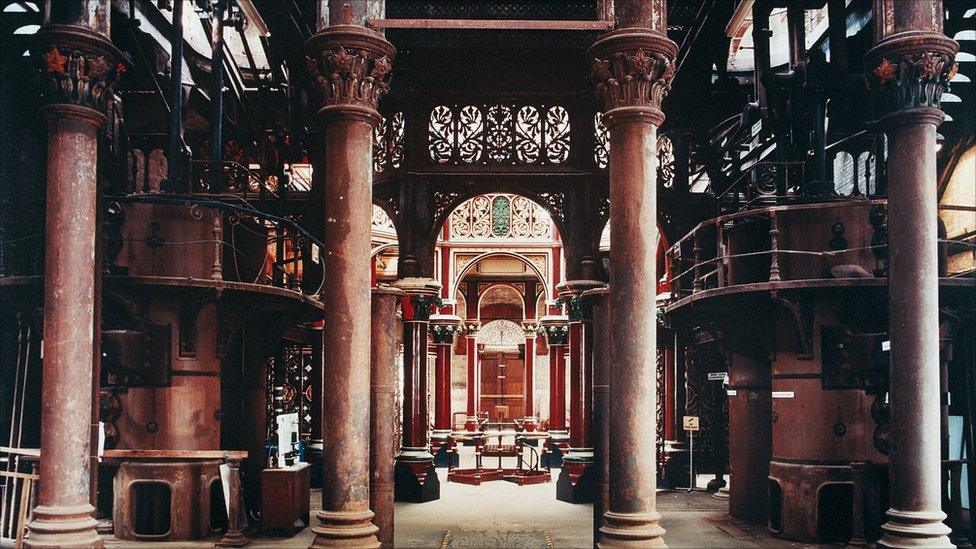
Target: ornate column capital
x,y
420,296
471,327
350,68
908,71
632,71
579,307
555,328
443,328
531,328
78,68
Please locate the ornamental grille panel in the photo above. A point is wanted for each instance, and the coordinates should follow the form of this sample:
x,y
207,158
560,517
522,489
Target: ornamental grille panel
x,y
289,387
388,143
500,216
601,142
499,134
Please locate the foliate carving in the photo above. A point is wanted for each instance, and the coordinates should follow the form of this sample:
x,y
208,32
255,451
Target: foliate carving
x,y
555,334
420,306
71,76
444,333
350,77
350,66
910,80
633,78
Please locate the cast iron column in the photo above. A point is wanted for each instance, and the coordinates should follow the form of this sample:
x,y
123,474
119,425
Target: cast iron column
x,y
416,479
632,69
442,329
350,65
382,410
474,374
575,482
78,69
600,426
528,390
556,330
908,68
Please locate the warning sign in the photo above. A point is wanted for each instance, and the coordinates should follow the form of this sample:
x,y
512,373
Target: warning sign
x,y
690,423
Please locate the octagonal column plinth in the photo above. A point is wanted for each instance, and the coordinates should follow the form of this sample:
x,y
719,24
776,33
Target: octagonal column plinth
x,y
907,71
416,479
349,67
576,480
443,328
382,410
632,70
77,71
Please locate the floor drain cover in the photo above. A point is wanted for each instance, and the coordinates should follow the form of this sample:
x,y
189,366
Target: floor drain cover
x,y
497,539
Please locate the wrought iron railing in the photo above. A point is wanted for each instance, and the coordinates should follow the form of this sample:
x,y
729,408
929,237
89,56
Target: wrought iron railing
x,y
703,260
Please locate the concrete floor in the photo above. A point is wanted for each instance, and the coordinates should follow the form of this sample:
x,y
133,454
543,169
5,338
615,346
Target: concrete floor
x,y
503,506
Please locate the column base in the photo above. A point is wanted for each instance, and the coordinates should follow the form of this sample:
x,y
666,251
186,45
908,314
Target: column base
x,y
631,530
345,529
63,527
715,485
915,529
415,477
577,479
233,539
529,424
440,447
471,424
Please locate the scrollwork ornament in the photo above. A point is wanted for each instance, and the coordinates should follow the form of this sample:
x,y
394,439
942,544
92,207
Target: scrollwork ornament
x,y
904,78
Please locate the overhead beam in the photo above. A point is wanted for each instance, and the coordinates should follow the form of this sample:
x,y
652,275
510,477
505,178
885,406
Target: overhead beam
x,y
490,24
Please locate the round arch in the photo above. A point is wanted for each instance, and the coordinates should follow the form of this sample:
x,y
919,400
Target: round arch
x,y
452,203
535,270
503,286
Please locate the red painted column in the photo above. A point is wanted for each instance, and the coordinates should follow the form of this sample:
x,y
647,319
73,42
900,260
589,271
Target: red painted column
x,y
575,483
474,374
442,330
383,382
416,480
74,52
529,420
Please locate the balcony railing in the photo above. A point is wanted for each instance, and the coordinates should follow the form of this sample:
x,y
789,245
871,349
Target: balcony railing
x,y
803,242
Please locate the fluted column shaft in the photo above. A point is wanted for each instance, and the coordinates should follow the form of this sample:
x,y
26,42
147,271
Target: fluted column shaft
x,y
74,52
908,69
350,65
632,70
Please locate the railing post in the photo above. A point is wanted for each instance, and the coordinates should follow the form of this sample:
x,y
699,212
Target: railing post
x,y
719,254
773,247
217,271
696,284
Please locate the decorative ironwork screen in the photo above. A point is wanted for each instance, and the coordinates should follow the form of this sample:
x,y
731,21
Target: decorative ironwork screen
x,y
495,216
290,373
499,134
